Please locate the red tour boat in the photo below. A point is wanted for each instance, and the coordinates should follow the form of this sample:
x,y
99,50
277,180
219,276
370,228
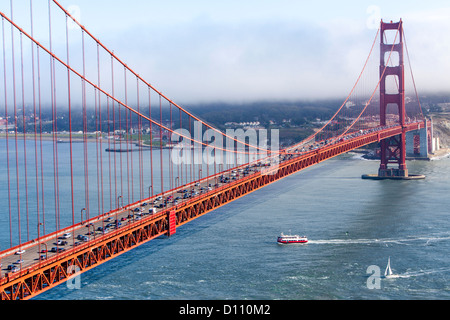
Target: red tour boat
x,y
287,239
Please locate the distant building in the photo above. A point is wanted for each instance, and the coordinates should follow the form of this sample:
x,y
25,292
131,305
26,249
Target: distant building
x,y
4,125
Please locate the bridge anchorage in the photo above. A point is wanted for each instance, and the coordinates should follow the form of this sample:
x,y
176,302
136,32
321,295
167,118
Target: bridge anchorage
x,y
393,149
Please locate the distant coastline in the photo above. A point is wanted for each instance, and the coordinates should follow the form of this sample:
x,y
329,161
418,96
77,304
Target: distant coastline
x,y
76,138
62,137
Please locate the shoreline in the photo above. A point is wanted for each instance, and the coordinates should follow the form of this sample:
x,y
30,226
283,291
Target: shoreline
x,y
440,154
77,138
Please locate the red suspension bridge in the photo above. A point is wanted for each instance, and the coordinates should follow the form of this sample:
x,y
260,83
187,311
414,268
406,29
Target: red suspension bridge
x,y
75,198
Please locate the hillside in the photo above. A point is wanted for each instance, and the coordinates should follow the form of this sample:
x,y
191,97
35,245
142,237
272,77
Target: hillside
x,y
441,126
438,109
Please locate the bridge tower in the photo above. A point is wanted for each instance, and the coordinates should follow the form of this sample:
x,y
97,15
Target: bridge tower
x,y
392,150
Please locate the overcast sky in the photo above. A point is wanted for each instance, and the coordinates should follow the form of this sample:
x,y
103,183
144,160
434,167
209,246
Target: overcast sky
x,y
207,50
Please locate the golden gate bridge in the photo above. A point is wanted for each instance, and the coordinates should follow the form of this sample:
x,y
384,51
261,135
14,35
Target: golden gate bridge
x,y
71,206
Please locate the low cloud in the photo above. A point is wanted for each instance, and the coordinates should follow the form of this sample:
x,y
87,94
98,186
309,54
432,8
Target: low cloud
x,y
254,50
206,60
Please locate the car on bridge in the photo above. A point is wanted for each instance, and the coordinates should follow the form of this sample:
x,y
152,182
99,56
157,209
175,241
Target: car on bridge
x,y
13,268
82,237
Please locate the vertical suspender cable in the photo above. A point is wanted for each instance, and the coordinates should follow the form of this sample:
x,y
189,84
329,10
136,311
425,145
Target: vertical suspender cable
x,y
161,146
97,155
36,162
7,131
170,164
120,148
101,132
24,136
70,125
151,140
140,144
109,155
54,119
40,137
85,129
15,129
114,131
127,136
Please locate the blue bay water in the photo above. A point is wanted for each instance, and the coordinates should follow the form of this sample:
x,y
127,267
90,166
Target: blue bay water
x,y
352,224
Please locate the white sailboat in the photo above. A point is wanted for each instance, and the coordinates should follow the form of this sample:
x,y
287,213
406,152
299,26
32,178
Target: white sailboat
x,y
388,271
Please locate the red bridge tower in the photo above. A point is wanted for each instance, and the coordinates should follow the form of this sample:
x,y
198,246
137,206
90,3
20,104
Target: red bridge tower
x,y
393,150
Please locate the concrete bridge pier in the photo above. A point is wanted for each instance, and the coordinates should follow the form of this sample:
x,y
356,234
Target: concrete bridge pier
x,y
417,143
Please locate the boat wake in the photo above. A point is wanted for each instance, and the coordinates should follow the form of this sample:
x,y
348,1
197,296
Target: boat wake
x,y
425,240
344,241
389,274
417,273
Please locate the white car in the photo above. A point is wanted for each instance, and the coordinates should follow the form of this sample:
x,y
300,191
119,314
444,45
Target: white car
x,y
67,235
20,252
